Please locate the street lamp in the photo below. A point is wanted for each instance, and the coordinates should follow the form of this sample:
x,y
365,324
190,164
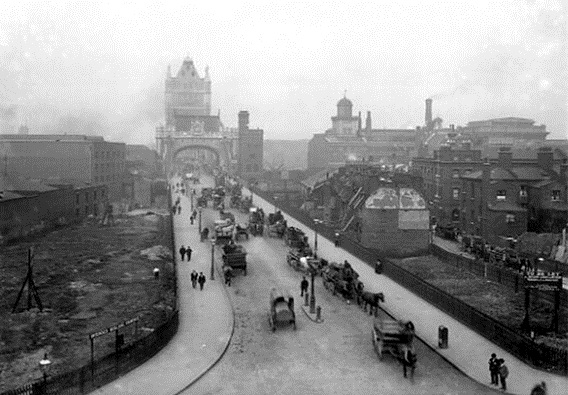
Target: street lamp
x,y
44,365
200,209
316,223
212,276
191,197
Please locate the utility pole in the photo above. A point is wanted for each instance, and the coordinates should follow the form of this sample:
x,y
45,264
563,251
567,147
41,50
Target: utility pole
x,y
29,281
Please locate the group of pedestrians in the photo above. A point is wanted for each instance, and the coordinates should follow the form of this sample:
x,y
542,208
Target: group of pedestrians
x,y
198,279
499,371
183,252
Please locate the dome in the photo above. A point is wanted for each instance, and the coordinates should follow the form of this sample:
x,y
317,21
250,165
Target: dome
x,y
344,102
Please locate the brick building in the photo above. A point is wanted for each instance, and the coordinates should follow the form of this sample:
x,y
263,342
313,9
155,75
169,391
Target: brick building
x,y
442,173
89,159
250,149
31,206
505,199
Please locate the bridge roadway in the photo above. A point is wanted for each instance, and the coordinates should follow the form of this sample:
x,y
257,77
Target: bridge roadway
x,y
224,344
468,351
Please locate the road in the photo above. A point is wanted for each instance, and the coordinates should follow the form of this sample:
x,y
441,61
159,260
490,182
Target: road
x,y
333,357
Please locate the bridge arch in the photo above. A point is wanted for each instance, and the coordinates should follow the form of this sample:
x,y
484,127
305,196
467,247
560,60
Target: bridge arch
x,y
190,147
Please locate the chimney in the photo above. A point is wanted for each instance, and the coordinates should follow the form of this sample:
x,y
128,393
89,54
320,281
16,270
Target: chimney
x,y
243,121
428,116
545,158
368,122
505,157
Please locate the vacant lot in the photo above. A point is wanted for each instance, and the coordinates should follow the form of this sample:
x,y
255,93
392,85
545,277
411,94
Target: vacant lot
x,y
494,299
89,277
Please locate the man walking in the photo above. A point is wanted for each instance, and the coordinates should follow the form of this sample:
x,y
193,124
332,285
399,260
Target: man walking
x,y
336,239
194,276
182,252
201,280
179,210
494,369
188,252
304,286
503,374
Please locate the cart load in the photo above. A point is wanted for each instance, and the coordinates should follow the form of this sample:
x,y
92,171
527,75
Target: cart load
x,y
235,257
300,260
224,230
341,278
295,237
393,336
281,309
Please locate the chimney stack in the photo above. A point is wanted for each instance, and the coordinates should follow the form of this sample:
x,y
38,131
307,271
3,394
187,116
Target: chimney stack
x,y
243,121
368,121
428,116
505,157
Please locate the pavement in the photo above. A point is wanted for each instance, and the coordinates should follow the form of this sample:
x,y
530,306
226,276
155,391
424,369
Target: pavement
x,y
206,323
467,351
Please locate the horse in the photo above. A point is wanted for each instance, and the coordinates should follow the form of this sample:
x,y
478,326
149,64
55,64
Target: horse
x,y
372,300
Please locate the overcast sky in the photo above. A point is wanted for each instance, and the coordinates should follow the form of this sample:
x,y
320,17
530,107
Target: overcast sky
x,y
100,66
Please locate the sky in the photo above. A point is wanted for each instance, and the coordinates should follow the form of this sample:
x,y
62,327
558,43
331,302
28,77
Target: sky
x,y
98,67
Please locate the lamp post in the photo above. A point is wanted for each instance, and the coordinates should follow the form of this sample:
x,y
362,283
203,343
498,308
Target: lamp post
x,y
316,223
44,365
200,209
212,276
191,197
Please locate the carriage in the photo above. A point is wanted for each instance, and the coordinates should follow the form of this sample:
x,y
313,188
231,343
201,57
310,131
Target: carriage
x,y
342,279
241,230
394,337
281,310
255,225
234,256
303,260
224,231
295,237
277,229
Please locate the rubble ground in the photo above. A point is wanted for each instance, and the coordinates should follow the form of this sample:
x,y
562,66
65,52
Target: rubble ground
x,y
496,300
89,277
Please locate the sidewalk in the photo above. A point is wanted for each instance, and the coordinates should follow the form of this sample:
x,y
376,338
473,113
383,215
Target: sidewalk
x,y
467,351
205,327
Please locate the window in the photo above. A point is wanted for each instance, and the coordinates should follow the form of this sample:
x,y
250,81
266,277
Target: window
x,y
556,195
456,193
501,194
77,199
523,191
456,215
510,218
455,173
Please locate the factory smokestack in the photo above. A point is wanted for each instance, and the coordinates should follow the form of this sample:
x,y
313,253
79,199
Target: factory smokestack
x,y
428,116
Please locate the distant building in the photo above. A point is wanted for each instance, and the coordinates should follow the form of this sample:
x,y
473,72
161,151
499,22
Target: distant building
x,y
188,101
141,158
27,207
250,149
442,173
89,159
347,141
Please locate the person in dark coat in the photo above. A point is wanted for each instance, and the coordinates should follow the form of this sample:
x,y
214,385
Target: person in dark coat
x,y
304,286
336,239
182,252
191,220
188,252
194,276
408,362
179,209
494,369
539,389
503,374
201,280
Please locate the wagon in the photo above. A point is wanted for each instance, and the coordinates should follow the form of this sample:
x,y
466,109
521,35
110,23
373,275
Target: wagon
x,y
281,309
235,257
392,336
295,259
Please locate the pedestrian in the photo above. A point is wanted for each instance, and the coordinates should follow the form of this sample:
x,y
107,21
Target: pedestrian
x,y
201,280
188,252
503,373
228,272
194,276
336,239
494,369
304,286
194,214
174,208
156,272
182,252
408,362
191,219
539,389
179,209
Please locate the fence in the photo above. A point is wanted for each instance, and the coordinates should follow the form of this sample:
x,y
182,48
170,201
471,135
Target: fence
x,y
89,377
522,346
494,272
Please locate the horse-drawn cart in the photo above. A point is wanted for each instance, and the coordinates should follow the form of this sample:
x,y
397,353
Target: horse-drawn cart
x,y
235,257
281,309
302,260
397,338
